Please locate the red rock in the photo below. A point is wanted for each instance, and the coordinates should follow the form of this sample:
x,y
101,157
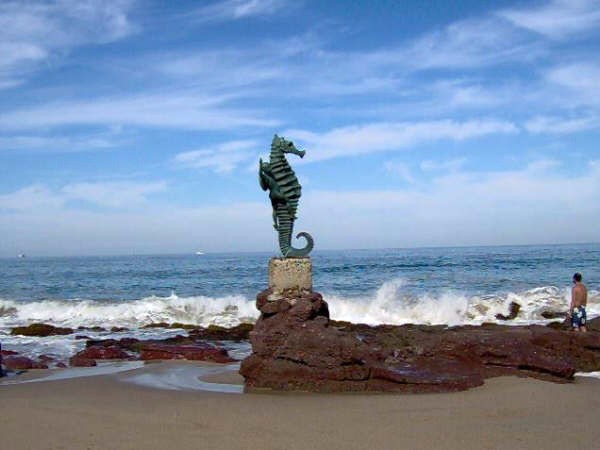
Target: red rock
x,y
296,347
40,329
7,353
125,343
101,352
79,361
39,365
217,333
61,365
513,312
198,352
15,362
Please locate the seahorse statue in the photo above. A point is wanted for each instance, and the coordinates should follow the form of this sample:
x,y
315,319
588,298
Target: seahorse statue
x,y
284,191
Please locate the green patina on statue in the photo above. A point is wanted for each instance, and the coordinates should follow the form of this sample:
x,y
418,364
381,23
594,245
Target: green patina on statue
x,y
284,191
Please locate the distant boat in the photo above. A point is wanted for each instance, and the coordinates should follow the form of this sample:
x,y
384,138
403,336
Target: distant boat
x,y
21,255
199,252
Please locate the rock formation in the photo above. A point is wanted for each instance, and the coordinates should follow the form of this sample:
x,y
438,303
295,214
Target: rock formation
x,y
297,347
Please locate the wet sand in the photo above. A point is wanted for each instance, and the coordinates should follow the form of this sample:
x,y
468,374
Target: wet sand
x,y
106,412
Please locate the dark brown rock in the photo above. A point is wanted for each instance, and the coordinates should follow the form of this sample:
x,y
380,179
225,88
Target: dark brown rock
x,y
125,343
79,361
96,329
103,352
7,353
198,352
39,365
183,326
216,333
296,347
554,314
594,324
40,329
513,312
17,362
177,347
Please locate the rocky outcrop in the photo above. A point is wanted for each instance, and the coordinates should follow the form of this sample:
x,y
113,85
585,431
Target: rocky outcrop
x,y
103,352
40,329
238,333
212,332
19,362
80,361
513,312
296,347
178,347
196,352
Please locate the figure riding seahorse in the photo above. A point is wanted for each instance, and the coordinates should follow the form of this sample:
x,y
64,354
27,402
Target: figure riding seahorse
x,y
284,191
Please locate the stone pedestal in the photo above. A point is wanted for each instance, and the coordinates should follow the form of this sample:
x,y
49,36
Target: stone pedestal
x,y
290,275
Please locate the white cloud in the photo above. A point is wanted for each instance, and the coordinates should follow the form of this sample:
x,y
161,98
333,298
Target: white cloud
x,y
450,165
532,205
389,136
239,9
401,170
580,81
180,109
467,43
582,77
35,31
542,165
112,194
34,197
561,125
236,227
222,158
558,18
62,144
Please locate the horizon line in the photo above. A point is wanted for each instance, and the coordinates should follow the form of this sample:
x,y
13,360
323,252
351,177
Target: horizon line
x,y
192,253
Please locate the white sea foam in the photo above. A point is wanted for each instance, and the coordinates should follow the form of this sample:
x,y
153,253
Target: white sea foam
x,y
188,378
588,374
103,368
392,303
225,311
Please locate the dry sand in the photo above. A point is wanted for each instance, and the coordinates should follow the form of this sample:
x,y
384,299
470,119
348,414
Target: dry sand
x,y
103,412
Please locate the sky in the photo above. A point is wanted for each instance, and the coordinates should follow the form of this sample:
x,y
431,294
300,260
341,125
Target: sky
x,y
133,127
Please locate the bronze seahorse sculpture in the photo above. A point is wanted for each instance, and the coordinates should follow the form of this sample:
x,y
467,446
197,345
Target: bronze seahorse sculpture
x,y
284,191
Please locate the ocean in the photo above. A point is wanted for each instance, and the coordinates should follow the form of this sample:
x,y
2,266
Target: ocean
x,y
453,286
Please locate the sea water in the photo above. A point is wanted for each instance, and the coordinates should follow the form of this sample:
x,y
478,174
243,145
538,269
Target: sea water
x,y
452,286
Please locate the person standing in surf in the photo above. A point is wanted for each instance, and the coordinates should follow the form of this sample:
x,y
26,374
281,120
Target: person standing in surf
x,y
578,303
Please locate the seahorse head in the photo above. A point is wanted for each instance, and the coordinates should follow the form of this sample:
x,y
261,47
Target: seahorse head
x,y
286,146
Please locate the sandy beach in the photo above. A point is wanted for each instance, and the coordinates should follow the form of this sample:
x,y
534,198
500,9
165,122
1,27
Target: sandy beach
x,y
107,412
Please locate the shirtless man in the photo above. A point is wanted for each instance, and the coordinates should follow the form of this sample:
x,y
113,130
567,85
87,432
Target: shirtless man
x,y
578,304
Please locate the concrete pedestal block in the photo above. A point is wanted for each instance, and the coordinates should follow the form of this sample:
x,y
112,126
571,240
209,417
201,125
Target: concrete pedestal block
x,y
290,274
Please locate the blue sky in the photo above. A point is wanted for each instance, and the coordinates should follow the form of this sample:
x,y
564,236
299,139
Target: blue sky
x,y
136,126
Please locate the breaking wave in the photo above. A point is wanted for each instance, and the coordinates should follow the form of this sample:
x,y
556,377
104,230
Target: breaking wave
x,y
390,304
225,311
